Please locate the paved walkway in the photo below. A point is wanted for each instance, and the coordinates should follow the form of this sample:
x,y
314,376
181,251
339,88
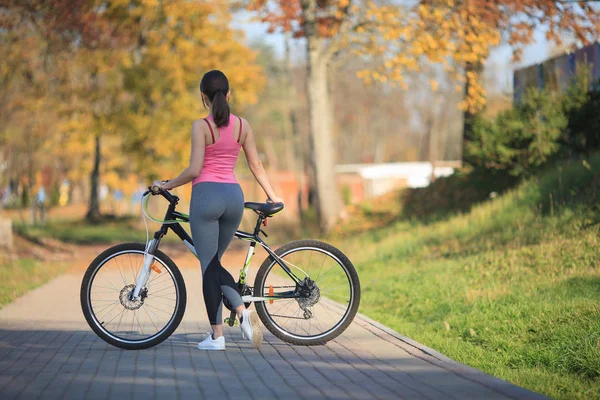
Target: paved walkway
x,y
48,351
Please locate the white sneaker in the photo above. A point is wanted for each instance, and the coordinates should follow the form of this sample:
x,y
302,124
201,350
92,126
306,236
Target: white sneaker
x,y
212,344
251,328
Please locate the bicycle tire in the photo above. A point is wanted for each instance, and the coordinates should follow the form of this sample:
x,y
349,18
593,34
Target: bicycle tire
x,y
263,312
93,269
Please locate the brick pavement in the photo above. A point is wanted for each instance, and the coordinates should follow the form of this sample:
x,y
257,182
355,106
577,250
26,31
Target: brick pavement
x,y
48,351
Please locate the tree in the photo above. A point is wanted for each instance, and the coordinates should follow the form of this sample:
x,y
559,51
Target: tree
x,y
458,34
178,42
520,139
75,40
115,73
544,123
325,25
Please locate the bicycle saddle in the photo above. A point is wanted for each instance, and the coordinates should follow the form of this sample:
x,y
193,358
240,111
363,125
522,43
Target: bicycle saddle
x,y
267,209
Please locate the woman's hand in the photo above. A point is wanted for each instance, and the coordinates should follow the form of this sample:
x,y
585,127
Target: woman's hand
x,y
274,199
158,186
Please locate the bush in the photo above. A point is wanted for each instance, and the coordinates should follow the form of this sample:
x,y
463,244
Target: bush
x,y
520,140
583,111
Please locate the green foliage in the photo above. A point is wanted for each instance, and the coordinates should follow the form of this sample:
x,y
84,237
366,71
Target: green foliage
x,y
108,230
520,140
134,84
583,111
511,287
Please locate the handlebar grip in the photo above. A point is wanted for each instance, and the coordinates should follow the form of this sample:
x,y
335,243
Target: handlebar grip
x,y
164,193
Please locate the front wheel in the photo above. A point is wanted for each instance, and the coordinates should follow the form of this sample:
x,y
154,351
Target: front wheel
x,y
109,310
317,309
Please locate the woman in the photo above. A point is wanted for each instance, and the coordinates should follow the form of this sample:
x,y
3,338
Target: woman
x,y
218,202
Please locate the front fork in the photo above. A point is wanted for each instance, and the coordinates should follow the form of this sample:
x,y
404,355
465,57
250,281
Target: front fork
x,y
142,278
232,316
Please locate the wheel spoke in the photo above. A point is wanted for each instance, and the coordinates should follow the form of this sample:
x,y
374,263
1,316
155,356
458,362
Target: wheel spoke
x,y
281,308
333,280
105,296
164,297
158,291
292,317
321,268
337,295
104,306
155,308
113,318
151,319
104,287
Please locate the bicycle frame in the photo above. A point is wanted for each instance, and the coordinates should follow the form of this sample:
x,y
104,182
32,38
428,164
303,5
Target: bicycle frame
x,y
253,238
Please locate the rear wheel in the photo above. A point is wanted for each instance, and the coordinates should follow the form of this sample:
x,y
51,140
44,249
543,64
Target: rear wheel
x,y
120,321
328,295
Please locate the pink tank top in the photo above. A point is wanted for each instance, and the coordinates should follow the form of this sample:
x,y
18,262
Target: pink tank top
x,y
220,156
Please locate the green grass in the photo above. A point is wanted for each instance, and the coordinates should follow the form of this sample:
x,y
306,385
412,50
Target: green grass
x,y
20,276
114,230
511,287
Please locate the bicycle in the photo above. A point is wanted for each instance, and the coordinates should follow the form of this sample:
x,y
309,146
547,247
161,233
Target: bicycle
x,y
150,292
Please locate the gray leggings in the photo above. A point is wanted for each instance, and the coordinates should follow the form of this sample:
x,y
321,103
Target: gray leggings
x,y
215,214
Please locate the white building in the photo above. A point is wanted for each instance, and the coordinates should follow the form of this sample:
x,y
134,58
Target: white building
x,y
378,179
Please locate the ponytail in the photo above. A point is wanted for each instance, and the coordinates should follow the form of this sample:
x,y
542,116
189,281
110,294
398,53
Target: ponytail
x,y
215,86
220,109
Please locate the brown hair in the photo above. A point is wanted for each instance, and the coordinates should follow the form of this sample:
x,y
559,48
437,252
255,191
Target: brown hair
x,y
215,86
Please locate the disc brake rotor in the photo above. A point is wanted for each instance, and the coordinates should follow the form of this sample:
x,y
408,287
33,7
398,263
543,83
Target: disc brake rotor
x,y
126,302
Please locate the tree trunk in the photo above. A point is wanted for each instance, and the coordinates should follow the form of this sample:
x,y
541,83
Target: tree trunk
x,y
30,189
289,122
296,150
320,122
93,213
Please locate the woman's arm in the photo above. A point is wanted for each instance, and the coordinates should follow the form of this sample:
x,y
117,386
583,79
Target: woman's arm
x,y
196,161
256,166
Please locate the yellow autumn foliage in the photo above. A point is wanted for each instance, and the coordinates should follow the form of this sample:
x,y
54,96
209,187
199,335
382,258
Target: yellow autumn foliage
x,y
140,99
443,33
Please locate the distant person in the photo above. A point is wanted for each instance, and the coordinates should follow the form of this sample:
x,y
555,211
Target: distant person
x,y
118,195
103,193
6,196
41,202
136,197
218,202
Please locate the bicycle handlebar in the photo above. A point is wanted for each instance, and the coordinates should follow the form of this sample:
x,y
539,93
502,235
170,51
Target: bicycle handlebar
x,y
164,193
